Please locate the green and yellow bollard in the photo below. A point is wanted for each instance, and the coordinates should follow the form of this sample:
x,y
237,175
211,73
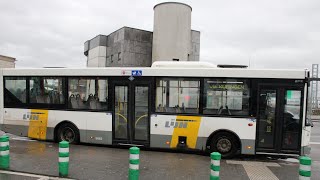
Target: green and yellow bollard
x,y
215,166
4,152
63,159
134,163
305,168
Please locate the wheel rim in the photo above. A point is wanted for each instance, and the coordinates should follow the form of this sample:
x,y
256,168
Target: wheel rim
x,y
68,134
224,145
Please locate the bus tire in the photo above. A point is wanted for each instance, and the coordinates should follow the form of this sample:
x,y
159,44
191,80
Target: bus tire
x,y
68,132
225,143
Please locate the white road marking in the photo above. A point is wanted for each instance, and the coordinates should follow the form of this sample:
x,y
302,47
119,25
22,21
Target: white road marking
x,y
22,139
257,170
314,142
32,175
292,160
43,178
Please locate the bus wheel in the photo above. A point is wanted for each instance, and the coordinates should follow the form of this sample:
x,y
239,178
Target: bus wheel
x,y
224,143
68,132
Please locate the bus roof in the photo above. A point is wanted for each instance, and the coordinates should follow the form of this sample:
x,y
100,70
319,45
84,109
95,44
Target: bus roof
x,y
160,71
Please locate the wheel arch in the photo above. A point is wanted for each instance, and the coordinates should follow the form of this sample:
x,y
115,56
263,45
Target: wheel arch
x,y
55,132
220,131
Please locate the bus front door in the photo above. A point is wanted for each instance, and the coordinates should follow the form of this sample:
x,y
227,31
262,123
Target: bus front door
x,y
131,113
279,120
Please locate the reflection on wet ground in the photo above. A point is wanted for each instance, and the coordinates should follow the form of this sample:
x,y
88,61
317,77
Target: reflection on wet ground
x,y
101,162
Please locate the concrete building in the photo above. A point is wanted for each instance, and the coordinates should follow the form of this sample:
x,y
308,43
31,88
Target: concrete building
x,y
124,47
7,62
171,40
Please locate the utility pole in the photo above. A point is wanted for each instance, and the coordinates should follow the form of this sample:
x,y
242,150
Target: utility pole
x,y
314,86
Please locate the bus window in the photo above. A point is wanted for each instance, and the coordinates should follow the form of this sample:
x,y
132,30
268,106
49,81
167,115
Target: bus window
x,y
47,90
227,97
15,90
291,119
88,93
177,95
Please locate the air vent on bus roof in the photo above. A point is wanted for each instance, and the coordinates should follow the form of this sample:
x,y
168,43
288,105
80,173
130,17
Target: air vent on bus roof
x,y
182,64
231,66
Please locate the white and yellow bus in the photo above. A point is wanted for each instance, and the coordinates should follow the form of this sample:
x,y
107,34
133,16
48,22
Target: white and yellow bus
x,y
192,106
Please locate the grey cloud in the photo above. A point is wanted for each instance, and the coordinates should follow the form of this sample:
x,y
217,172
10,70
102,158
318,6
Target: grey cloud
x,y
269,34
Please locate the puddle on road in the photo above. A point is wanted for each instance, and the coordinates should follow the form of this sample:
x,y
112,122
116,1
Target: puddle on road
x,y
37,148
292,160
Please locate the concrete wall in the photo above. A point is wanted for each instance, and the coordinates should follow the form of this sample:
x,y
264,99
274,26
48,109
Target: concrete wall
x,y
137,48
96,51
7,62
129,47
171,32
126,47
172,39
195,46
114,48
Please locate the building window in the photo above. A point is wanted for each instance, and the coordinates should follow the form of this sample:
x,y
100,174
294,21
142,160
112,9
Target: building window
x,y
228,97
15,90
47,90
119,56
177,95
88,93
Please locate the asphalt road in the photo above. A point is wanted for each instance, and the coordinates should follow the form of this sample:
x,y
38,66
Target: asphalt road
x,y
101,162
315,149
315,133
93,162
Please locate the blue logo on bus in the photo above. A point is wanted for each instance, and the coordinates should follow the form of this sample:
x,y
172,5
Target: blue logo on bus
x,y
136,72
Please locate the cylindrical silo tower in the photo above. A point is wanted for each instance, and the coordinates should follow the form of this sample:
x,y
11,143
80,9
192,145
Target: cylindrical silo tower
x,y
171,32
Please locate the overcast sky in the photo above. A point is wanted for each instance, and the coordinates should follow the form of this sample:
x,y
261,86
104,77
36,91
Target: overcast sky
x,y
266,33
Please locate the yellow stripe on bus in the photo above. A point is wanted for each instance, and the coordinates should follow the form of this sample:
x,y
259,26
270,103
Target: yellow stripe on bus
x,y
190,130
38,121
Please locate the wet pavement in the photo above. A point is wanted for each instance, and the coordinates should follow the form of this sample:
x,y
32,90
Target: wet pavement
x,y
101,162
10,175
315,149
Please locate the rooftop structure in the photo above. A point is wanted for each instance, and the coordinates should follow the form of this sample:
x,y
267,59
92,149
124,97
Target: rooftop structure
x,y
171,40
7,62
